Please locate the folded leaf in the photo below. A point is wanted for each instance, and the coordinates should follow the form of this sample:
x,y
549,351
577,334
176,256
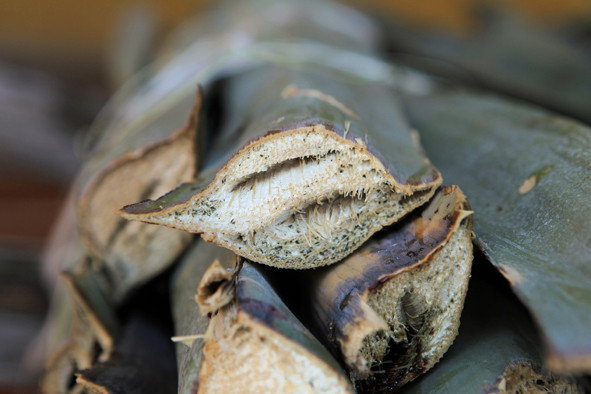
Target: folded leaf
x,y
136,155
325,161
539,64
253,343
142,362
497,350
527,175
189,323
63,251
92,336
131,254
392,308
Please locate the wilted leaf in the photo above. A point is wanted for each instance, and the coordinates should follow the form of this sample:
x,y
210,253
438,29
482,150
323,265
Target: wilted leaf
x,y
253,342
392,308
506,54
142,362
92,331
132,254
324,162
190,324
527,174
497,349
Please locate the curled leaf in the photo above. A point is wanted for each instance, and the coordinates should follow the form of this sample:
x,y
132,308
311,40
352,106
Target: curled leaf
x,y
498,349
535,232
321,167
129,253
392,308
252,343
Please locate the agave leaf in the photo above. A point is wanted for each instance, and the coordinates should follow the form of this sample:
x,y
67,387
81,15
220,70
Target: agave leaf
x,y
497,350
225,41
93,313
392,308
279,20
527,175
139,121
256,342
142,362
132,254
541,65
253,342
60,368
325,162
190,324
93,332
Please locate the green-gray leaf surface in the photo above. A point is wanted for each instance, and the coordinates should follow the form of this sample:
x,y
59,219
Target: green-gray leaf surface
x,y
542,65
496,333
527,174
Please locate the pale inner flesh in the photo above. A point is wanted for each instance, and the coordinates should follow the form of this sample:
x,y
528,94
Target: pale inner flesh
x,y
306,197
252,358
422,308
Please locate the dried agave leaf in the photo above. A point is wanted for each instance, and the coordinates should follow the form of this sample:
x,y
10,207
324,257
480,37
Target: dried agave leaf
x,y
540,65
55,332
526,172
142,362
63,250
92,334
253,342
497,349
231,38
325,162
146,114
61,366
256,340
392,308
131,254
279,20
190,324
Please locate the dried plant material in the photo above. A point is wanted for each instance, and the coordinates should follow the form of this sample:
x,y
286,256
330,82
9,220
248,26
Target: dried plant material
x,y
216,289
188,340
535,232
527,185
278,20
61,366
142,362
131,254
392,308
189,322
252,342
543,65
92,332
321,168
498,349
55,332
93,314
63,250
255,344
524,377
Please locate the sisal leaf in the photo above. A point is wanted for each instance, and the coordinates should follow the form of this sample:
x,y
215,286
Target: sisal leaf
x,y
527,174
392,308
323,161
253,342
497,350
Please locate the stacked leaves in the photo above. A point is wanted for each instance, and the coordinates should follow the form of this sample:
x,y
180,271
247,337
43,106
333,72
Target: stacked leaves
x,y
341,264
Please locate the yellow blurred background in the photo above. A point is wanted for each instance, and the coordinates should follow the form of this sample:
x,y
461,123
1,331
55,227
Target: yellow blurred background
x,y
68,34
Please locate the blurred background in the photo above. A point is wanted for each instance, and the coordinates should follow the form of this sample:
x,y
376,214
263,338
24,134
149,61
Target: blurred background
x,y
61,60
